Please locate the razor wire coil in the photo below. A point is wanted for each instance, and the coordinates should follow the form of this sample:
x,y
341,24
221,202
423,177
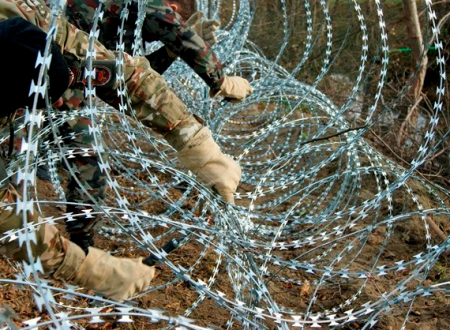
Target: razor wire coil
x,y
304,214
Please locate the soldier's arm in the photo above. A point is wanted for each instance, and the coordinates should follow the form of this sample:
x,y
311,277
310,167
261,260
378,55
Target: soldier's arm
x,y
163,24
160,60
152,101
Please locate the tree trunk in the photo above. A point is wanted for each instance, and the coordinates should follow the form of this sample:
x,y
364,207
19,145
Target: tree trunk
x,y
369,86
419,66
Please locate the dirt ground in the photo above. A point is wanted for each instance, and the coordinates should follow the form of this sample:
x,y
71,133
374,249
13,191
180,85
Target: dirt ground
x,y
427,313
177,297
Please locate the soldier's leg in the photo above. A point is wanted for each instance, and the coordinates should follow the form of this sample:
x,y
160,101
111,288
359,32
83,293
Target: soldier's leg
x,y
76,137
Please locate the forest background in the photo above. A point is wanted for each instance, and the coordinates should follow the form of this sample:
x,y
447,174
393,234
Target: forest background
x,y
409,108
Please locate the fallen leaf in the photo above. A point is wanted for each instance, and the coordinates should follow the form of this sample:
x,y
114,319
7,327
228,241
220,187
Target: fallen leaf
x,y
173,305
304,290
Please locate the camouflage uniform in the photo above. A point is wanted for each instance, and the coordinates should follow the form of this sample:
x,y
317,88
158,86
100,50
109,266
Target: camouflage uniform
x,y
151,99
75,137
50,246
161,23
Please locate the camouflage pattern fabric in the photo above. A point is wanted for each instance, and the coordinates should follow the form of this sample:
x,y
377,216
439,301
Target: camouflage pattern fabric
x,y
161,23
151,99
160,60
50,246
162,111
75,136
76,139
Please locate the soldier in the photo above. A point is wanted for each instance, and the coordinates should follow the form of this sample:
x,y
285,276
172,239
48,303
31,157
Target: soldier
x,y
81,229
117,278
154,104
164,24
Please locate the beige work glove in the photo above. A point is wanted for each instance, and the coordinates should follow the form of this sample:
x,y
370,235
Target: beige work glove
x,y
234,88
202,156
116,278
206,28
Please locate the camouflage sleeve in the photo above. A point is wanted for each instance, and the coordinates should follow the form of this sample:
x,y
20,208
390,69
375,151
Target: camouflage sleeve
x,y
49,245
152,101
159,60
154,104
163,24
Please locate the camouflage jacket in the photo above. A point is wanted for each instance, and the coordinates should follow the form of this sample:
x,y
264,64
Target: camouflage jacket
x,y
152,101
161,23
75,43
72,44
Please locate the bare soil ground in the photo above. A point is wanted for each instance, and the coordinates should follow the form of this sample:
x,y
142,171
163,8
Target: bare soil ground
x,y
428,313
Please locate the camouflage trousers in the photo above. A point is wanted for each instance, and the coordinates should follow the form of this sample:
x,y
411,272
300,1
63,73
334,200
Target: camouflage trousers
x,y
75,137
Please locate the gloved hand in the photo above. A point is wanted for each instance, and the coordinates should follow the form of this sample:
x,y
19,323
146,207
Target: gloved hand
x,y
234,88
116,278
202,156
206,29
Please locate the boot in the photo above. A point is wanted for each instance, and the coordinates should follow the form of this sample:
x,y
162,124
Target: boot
x,y
81,229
